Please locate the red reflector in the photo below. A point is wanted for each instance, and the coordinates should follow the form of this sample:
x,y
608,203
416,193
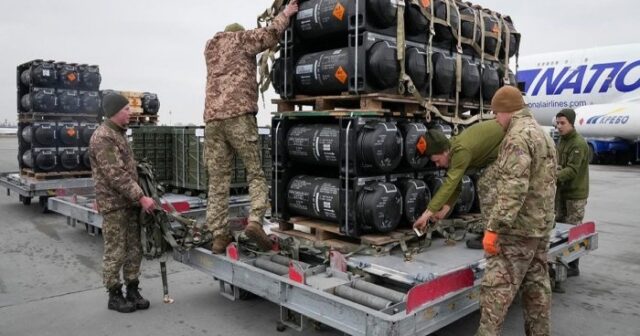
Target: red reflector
x,y
179,206
581,230
439,287
295,273
232,252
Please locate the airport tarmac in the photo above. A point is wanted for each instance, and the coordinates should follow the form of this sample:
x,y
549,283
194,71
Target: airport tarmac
x,y
50,278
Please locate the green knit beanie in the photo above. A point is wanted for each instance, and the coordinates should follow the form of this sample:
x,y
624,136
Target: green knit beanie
x,y
234,27
437,142
112,103
570,114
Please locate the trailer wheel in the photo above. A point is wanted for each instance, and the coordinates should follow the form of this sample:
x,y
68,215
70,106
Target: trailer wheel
x,y
42,201
280,327
25,200
244,294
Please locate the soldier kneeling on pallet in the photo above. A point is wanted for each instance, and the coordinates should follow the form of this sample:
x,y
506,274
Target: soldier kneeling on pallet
x,y
119,200
474,149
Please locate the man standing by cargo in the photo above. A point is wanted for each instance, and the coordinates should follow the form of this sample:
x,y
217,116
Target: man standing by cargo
x,y
119,199
474,149
231,128
573,178
517,238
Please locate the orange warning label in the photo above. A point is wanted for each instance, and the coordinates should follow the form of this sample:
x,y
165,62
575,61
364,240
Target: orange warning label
x,y
421,146
338,11
71,132
72,77
495,29
425,3
341,75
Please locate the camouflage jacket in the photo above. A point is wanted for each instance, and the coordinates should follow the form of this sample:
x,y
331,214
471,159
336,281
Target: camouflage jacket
x,y
113,169
526,184
475,148
232,87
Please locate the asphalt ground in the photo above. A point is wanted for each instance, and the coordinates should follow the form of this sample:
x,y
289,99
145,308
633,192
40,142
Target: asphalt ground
x,y
50,278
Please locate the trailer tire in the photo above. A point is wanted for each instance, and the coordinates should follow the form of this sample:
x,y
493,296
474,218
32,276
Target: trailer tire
x,y
25,200
245,295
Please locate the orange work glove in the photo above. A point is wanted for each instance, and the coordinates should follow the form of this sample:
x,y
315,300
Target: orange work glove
x,y
490,243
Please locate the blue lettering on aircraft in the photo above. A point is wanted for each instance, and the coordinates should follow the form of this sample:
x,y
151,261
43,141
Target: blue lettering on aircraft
x,y
573,81
556,80
606,119
620,80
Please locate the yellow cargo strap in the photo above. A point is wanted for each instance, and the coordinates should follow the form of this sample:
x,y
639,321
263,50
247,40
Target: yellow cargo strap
x,y
427,104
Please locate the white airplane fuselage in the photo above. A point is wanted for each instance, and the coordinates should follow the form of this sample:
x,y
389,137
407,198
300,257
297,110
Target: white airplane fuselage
x,y
580,78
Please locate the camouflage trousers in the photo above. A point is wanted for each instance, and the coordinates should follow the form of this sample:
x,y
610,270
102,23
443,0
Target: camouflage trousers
x,y
520,264
486,187
570,211
122,246
223,139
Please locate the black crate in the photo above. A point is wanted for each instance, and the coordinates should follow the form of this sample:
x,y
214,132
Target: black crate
x,y
342,201
342,156
346,69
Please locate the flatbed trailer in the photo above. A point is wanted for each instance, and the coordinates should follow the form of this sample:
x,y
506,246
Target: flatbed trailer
x,y
28,187
359,293
375,295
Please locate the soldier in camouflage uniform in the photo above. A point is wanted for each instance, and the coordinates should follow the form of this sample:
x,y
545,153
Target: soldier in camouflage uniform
x,y
230,117
474,149
119,199
517,238
573,179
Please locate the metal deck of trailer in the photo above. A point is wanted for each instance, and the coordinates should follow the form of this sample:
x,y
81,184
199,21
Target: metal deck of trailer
x,y
443,280
402,297
28,188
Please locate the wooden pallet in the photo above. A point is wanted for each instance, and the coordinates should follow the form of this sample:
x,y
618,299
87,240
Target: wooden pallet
x,y
376,103
329,233
143,119
131,94
52,116
54,175
136,110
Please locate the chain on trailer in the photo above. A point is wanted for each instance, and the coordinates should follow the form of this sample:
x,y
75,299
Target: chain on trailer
x,y
162,228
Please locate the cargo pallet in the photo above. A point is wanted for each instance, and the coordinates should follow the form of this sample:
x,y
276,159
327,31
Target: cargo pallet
x,y
28,188
27,172
373,295
328,233
398,105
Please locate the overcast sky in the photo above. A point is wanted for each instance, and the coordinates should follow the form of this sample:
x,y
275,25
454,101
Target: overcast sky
x,y
157,45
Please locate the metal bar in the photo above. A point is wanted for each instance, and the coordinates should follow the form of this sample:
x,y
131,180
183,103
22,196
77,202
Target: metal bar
x,y
363,298
271,266
385,293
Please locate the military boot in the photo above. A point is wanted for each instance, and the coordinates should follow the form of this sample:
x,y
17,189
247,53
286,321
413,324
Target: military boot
x,y
255,232
117,302
134,297
219,245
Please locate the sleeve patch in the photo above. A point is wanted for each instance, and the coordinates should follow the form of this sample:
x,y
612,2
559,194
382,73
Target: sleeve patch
x,y
110,155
